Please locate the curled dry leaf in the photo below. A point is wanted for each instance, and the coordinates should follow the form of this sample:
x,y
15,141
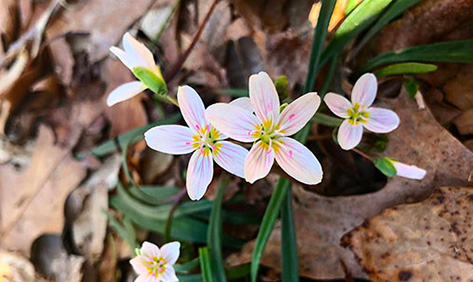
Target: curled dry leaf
x,y
321,221
428,241
15,268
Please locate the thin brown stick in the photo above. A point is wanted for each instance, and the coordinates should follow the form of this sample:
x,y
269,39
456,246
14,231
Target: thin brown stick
x,y
363,154
175,69
177,200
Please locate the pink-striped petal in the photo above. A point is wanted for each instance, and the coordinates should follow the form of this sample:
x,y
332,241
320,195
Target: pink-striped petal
x,y
381,120
169,275
192,108
138,265
230,157
244,103
349,135
409,171
264,98
138,52
147,278
295,116
199,174
170,139
124,92
259,161
297,161
233,121
170,252
364,91
338,104
149,250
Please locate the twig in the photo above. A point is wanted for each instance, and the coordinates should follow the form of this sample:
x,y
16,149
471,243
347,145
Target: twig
x,y
363,154
177,200
171,75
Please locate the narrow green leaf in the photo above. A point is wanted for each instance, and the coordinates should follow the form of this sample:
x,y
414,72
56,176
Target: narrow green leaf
x,y
110,146
214,239
290,262
326,120
238,272
394,10
267,224
153,195
190,278
412,86
405,68
328,79
356,22
460,51
233,92
385,165
205,264
320,33
350,6
122,231
186,267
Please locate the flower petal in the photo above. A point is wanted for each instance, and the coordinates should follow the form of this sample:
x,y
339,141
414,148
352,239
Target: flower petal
x,y
138,265
199,174
381,120
146,278
297,161
230,157
409,171
129,63
149,250
137,52
364,91
169,275
259,161
124,92
244,103
170,252
338,104
349,135
295,116
192,108
264,98
170,139
233,121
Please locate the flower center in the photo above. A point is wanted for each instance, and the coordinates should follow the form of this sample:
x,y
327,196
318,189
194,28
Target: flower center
x,y
357,114
156,266
267,133
205,140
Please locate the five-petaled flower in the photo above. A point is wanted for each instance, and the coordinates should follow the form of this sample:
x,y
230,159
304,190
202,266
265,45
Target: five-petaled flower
x,y
269,130
358,113
154,264
202,139
140,61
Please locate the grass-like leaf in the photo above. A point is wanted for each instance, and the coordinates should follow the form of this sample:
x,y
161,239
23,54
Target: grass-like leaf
x,y
405,68
460,51
205,264
290,262
214,235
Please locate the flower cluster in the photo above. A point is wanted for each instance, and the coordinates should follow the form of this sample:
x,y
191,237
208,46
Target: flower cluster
x,y
153,264
259,119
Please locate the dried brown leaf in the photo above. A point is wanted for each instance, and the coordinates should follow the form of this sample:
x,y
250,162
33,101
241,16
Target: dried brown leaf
x,y
426,241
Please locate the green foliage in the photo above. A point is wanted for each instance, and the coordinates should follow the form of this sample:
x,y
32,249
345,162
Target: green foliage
x,y
281,84
460,51
412,86
327,120
186,267
155,82
125,231
214,239
406,68
290,262
385,165
233,92
205,264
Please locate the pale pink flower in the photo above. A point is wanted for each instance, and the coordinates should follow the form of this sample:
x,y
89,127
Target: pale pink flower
x,y
201,138
269,130
140,61
154,264
408,171
358,113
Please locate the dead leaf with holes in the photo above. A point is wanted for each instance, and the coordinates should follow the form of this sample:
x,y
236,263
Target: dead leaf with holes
x,y
429,241
322,221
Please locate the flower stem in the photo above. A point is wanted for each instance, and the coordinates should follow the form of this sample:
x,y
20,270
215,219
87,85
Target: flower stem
x,y
363,154
177,200
171,75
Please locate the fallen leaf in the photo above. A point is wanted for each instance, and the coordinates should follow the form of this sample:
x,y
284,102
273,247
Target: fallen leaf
x,y
428,241
322,221
32,201
15,268
464,122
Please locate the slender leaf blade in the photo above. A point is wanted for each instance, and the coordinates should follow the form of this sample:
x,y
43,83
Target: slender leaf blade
x,y
205,264
290,263
405,68
214,239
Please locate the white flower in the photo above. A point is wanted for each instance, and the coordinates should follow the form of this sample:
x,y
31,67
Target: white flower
x,y
358,113
269,130
202,139
154,264
140,61
408,171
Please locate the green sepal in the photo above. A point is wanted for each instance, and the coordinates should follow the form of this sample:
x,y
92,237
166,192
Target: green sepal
x,y
385,165
155,82
138,251
281,84
412,86
282,107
